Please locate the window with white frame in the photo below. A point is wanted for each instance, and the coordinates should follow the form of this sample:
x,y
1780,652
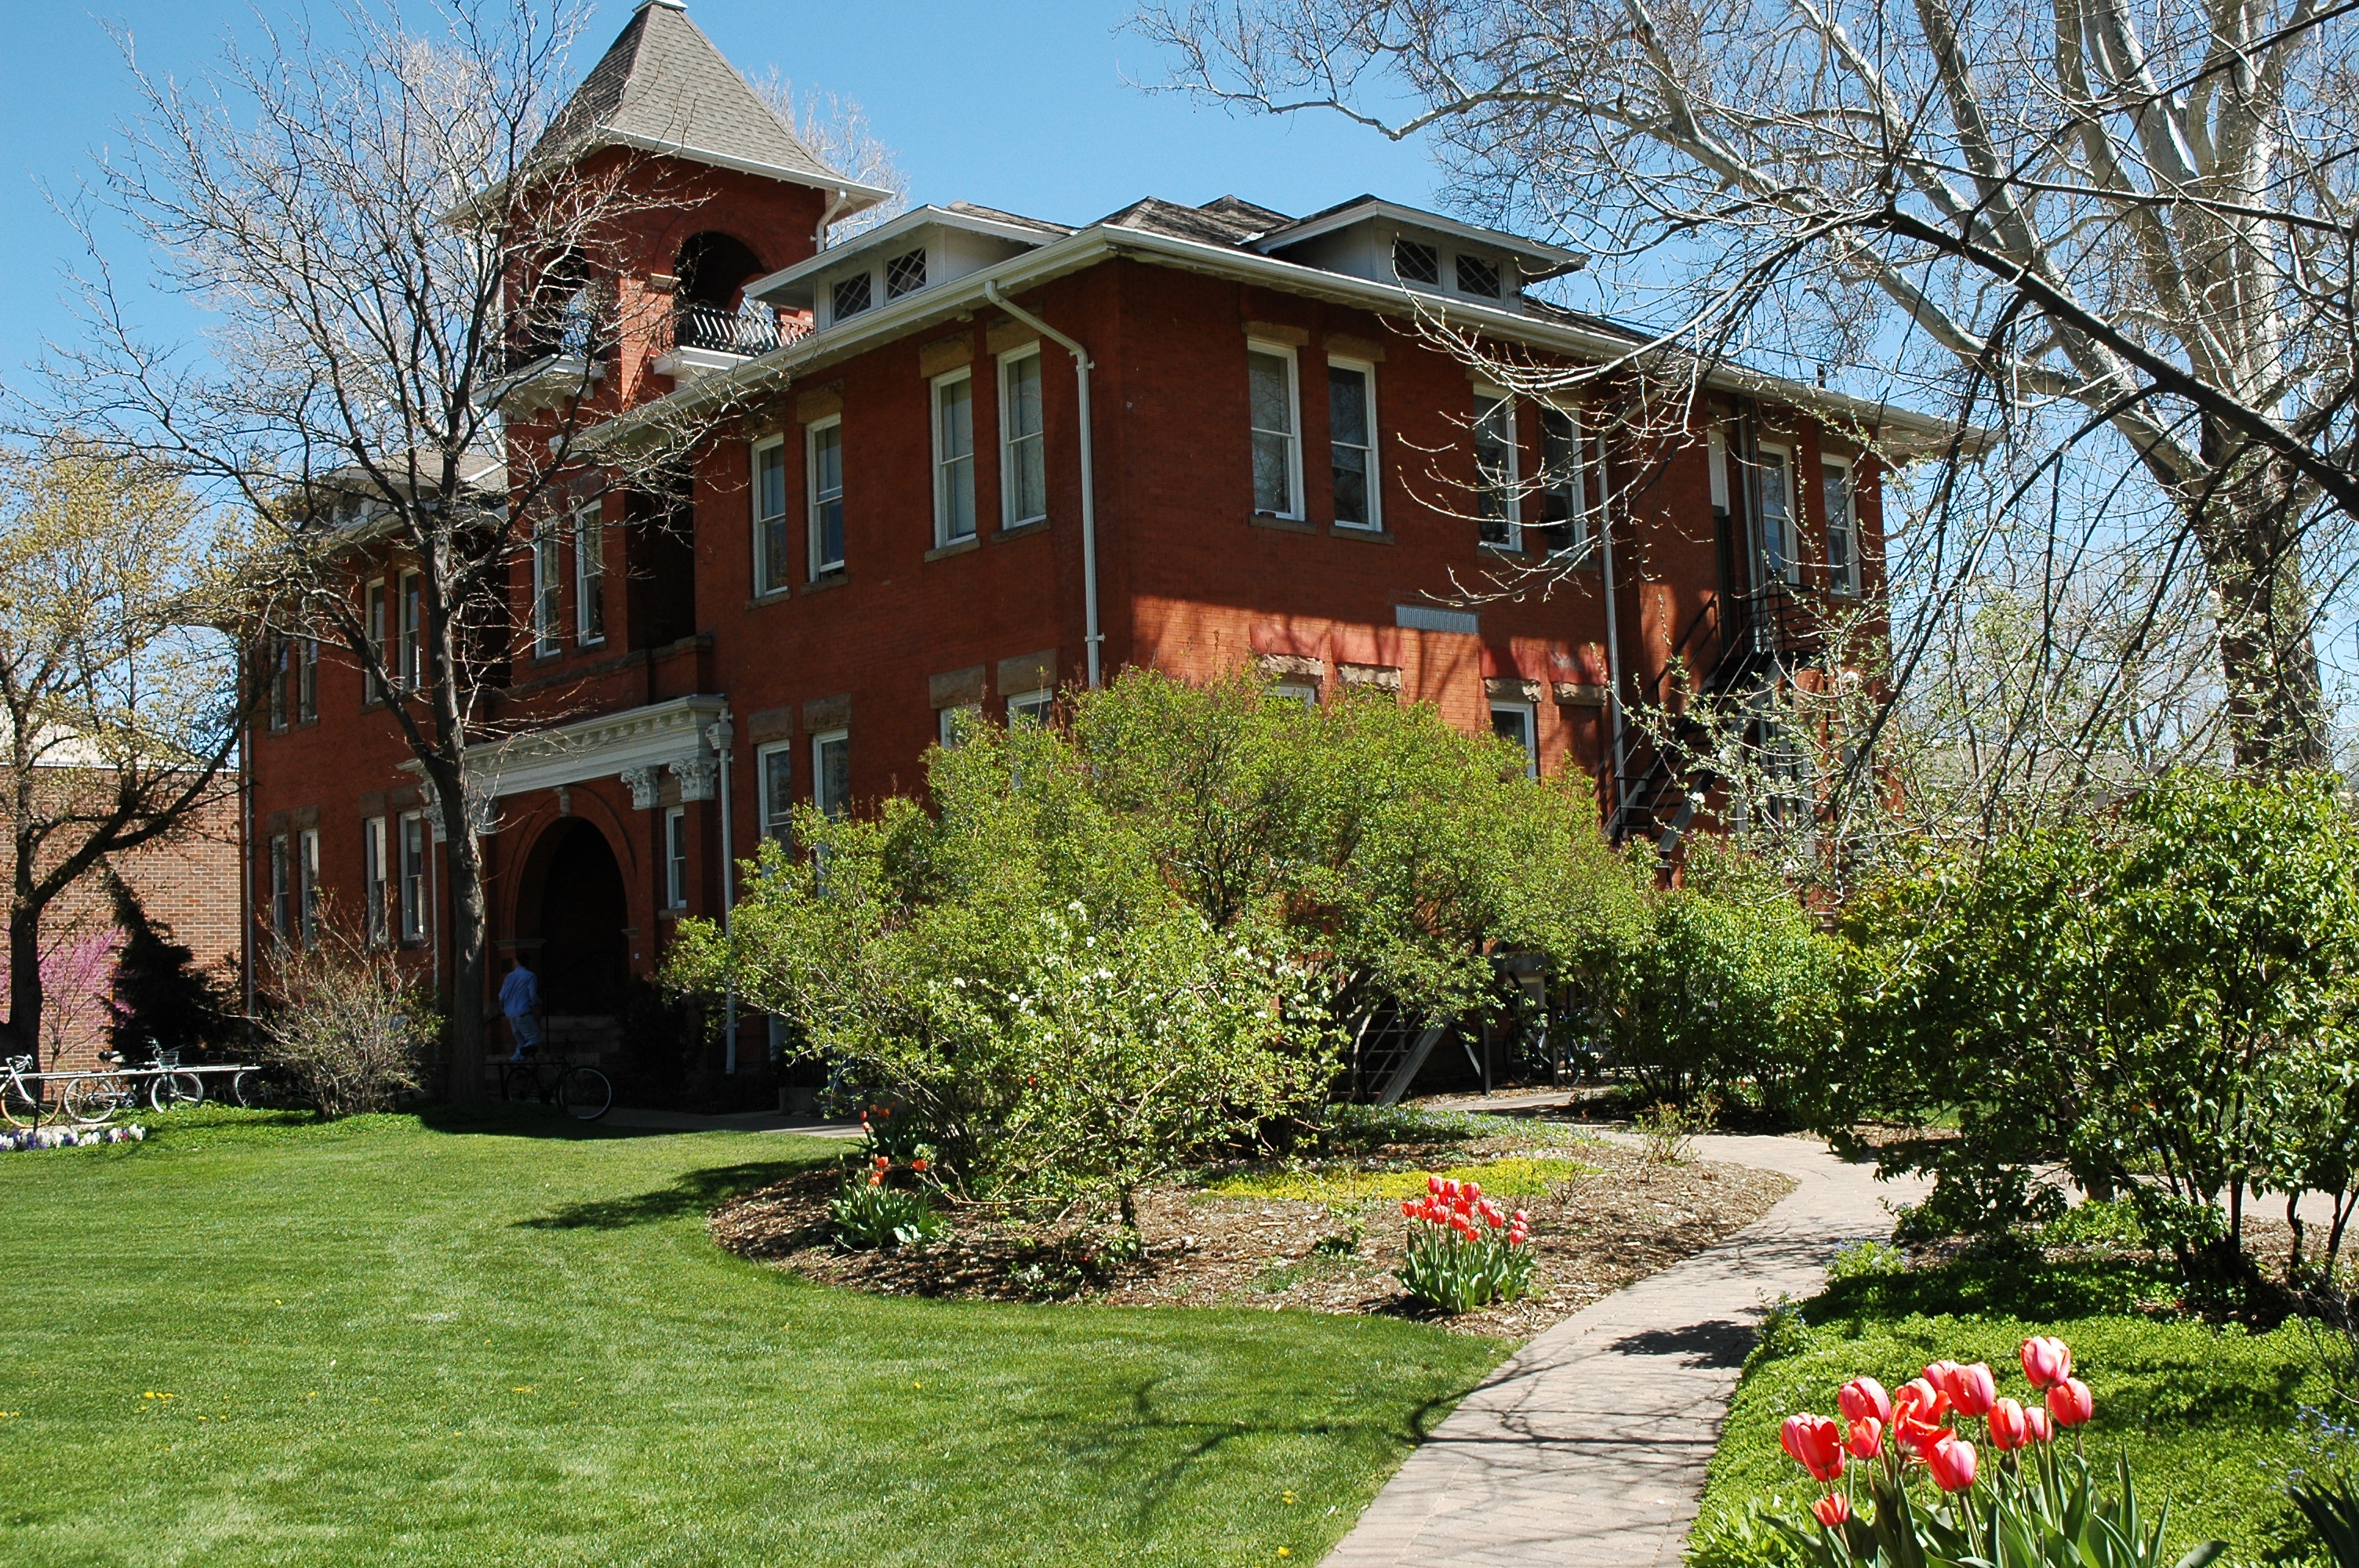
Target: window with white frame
x,y
1351,443
953,458
306,679
378,646
956,723
1029,707
1565,462
675,857
1518,722
824,463
590,575
1842,526
410,654
1276,441
413,876
1497,508
1478,276
774,772
851,294
831,773
282,887
1023,444
307,884
770,570
281,654
374,883
1302,691
1778,555
1416,261
547,588
904,274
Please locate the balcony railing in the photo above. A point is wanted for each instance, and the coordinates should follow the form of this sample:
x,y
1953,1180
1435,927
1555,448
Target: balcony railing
x,y
749,330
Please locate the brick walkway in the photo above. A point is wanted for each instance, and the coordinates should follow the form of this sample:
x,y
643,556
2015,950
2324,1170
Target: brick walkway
x,y
1588,1449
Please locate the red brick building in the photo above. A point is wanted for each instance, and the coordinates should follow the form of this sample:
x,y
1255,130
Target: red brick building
x,y
973,458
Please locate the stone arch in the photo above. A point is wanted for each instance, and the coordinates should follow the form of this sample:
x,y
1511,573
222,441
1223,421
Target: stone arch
x,y
712,268
573,903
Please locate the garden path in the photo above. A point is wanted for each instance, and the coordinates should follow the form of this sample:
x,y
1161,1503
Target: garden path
x,y
1588,1449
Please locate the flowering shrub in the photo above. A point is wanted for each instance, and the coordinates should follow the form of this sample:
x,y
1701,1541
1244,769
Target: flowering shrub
x,y
1464,1250
69,1138
1929,1497
869,1213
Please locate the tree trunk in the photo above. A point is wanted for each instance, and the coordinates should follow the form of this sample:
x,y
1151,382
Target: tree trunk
x,y
469,1031
25,997
2248,528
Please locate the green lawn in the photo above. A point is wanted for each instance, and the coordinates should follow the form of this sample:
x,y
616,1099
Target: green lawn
x,y
498,1343
2207,1416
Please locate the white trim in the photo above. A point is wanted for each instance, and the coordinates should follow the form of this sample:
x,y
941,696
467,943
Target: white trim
x,y
548,592
412,915
1375,475
945,474
1528,721
771,577
1488,398
1293,512
834,184
775,824
780,284
1305,692
1032,705
676,857
1039,437
409,620
591,518
811,432
818,744
1786,564
376,880
954,725
1555,258
1574,538
653,737
1848,583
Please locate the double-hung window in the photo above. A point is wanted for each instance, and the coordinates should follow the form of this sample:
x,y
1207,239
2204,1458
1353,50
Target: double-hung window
x,y
590,575
1300,691
410,656
775,777
771,572
377,643
675,857
1778,555
1564,480
306,679
955,723
1843,527
282,657
282,887
953,458
831,773
1029,707
413,876
307,884
1023,454
1276,439
1516,723
547,588
1497,509
1352,440
824,463
374,883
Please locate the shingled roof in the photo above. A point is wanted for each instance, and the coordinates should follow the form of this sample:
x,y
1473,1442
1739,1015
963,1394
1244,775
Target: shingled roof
x,y
663,87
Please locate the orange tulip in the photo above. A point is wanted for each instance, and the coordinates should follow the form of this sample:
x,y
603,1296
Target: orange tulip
x,y
1831,1509
2071,1403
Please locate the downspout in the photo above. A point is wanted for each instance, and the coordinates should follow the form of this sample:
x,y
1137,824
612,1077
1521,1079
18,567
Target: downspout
x,y
836,204
722,737
1612,642
245,874
1090,637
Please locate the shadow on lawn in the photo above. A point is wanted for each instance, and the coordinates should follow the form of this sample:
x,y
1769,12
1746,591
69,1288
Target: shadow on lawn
x,y
695,1192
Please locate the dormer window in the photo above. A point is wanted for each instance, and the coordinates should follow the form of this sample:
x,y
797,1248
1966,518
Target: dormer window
x,y
851,295
1478,276
1415,261
905,275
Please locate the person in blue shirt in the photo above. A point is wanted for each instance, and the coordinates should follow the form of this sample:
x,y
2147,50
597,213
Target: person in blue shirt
x,y
520,1000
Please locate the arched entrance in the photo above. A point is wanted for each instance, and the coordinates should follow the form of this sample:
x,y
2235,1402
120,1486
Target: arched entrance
x,y
577,906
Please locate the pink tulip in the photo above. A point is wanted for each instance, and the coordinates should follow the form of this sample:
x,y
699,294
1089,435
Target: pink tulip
x,y
1916,1415
1938,1374
1433,1185
2071,1403
1952,1463
1867,1437
1831,1509
2046,1361
1864,1397
1972,1388
2037,1427
2008,1430
1816,1444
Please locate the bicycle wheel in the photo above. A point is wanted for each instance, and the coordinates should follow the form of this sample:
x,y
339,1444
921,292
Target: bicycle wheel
x,y
176,1088
521,1082
254,1089
93,1100
584,1093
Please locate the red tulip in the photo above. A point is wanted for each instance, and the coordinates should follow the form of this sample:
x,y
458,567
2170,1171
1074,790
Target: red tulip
x,y
1816,1444
1972,1388
1521,1218
916,1164
1409,1209
1938,1374
1433,1185
2007,1431
1867,1437
1864,1396
1831,1509
2037,1427
1473,1191
2071,1403
2046,1361
1916,1415
1951,1462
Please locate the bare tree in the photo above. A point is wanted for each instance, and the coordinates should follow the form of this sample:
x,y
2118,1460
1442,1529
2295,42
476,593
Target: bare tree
x,y
397,233
2116,237
837,129
118,699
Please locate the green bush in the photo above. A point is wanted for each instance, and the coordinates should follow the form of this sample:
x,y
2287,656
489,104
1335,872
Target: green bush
x,y
869,1214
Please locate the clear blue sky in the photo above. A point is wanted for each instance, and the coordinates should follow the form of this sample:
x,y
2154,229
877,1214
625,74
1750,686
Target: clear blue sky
x,y
1023,107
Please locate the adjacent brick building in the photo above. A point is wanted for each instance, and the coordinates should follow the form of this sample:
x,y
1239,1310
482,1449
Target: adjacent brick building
x,y
907,516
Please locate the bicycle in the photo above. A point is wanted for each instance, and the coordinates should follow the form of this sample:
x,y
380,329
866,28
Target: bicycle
x,y
584,1093
22,1100
101,1096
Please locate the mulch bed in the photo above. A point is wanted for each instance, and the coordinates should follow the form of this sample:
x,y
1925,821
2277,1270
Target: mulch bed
x,y
1589,1237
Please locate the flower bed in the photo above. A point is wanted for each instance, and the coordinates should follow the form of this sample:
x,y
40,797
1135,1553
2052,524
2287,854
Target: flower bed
x,y
69,1138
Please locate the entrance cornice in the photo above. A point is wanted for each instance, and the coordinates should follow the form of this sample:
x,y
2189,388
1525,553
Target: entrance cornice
x,y
634,745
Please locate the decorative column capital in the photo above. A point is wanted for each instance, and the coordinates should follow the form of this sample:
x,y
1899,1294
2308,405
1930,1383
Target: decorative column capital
x,y
641,782
696,775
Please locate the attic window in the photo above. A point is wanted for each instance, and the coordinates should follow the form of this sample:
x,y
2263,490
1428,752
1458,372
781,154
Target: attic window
x,y
1476,275
905,275
851,295
1416,263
